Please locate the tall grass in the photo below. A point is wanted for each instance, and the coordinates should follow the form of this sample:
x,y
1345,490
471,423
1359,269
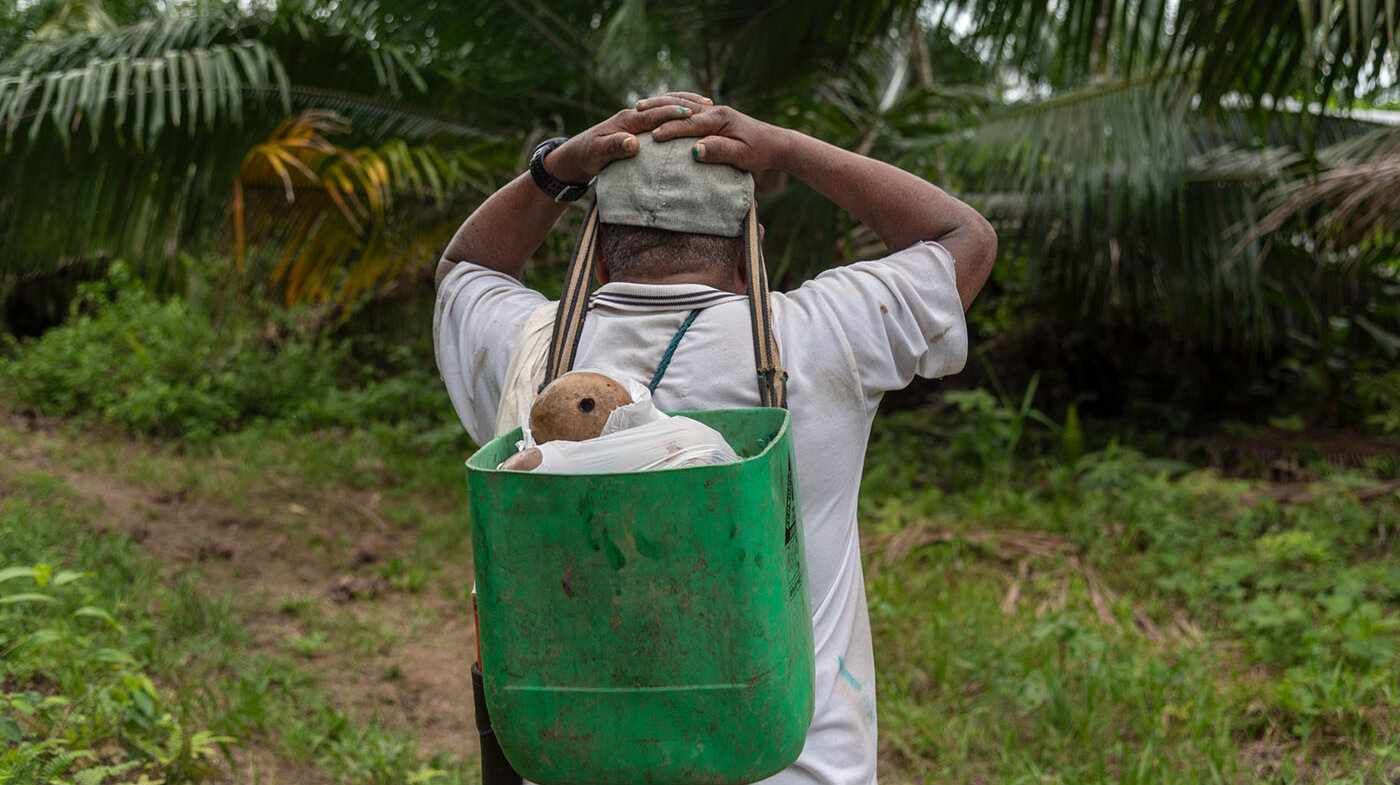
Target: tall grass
x,y
1116,618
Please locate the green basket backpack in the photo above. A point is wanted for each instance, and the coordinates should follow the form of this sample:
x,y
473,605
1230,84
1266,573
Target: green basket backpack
x,y
648,628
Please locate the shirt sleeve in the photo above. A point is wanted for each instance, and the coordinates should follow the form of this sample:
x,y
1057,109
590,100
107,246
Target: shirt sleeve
x,y
477,319
901,315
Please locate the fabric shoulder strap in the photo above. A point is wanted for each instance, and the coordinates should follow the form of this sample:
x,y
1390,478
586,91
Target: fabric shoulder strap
x,y
573,308
573,301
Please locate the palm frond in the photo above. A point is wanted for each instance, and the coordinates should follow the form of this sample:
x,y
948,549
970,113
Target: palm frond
x,y
1262,47
1134,200
197,88
349,221
148,39
1351,204
1257,47
64,203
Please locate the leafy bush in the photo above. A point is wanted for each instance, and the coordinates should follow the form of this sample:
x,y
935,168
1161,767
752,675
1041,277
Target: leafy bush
x,y
74,681
1380,394
167,368
1266,618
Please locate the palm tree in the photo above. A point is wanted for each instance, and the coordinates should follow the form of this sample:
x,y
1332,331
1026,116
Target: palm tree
x,y
138,132
1169,154
1156,161
1153,160
341,140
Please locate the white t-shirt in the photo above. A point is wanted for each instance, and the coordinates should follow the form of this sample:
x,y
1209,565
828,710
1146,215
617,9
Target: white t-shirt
x,y
846,337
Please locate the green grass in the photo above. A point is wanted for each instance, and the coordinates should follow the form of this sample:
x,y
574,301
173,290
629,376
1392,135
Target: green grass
x,y
116,668
1125,620
1042,613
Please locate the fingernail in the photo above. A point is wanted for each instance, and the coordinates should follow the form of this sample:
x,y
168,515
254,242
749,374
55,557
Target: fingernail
x,y
698,151
638,105
705,100
684,111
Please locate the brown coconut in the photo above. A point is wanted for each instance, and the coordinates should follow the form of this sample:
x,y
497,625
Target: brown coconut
x,y
524,461
575,407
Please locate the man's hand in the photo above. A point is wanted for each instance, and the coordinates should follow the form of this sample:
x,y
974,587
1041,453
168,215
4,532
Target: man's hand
x,y
582,157
900,207
727,136
509,226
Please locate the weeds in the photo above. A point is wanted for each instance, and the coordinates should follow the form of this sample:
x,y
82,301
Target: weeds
x,y
1116,618
76,683
113,671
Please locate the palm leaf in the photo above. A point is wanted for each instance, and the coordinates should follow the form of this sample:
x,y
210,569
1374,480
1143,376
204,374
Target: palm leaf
x,y
1351,203
1257,47
1134,201
167,108
349,221
147,39
196,89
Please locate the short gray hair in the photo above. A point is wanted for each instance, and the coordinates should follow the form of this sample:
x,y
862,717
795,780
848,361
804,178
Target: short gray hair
x,y
640,252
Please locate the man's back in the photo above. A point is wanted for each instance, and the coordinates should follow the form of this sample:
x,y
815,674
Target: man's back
x,y
846,338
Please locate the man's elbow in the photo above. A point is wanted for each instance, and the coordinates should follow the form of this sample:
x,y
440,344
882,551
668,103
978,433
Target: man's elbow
x,y
976,252
984,243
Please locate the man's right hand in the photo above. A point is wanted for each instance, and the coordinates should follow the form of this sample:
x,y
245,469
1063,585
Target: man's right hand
x,y
582,157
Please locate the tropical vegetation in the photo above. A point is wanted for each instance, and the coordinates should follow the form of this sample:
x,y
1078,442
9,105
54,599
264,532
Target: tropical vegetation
x,y
1148,536
1210,169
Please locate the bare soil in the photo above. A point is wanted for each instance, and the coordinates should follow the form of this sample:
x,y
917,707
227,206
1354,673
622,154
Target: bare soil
x,y
413,677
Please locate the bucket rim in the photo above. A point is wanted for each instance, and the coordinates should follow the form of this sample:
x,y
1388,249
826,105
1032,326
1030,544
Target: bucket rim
x,y
475,463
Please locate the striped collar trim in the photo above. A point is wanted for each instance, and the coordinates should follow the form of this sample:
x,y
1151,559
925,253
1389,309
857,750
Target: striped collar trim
x,y
659,297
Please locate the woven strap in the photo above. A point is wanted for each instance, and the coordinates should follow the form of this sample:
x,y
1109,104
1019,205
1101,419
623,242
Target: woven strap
x,y
573,302
772,379
573,307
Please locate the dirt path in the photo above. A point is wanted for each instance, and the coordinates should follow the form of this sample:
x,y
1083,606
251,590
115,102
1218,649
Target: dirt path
x,y
396,657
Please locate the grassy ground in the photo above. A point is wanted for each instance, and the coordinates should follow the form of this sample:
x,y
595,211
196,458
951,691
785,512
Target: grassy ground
x,y
1117,619
291,608
225,617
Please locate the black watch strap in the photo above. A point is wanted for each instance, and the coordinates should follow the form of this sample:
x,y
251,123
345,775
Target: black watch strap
x,y
554,189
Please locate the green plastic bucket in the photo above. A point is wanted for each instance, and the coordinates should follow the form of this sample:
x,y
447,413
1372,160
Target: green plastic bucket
x,y
649,627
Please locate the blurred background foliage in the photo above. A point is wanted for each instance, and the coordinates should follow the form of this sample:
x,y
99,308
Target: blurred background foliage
x,y
218,228
1209,186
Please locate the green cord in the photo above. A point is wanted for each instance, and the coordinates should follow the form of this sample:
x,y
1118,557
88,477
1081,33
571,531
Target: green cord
x,y
670,350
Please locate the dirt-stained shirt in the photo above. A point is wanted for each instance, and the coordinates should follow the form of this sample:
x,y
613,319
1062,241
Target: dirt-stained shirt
x,y
846,338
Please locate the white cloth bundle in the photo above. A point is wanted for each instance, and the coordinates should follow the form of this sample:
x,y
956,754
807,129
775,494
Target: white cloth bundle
x,y
637,437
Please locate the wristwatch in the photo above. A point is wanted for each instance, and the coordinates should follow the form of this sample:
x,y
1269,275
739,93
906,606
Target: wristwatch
x,y
559,192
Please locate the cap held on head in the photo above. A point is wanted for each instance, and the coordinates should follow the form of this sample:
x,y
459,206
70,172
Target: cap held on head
x,y
664,187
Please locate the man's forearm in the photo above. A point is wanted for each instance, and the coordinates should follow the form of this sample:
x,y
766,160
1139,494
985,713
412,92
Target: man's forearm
x,y
901,208
506,229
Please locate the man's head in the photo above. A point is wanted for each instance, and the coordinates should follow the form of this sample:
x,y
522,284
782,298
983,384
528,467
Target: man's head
x,y
665,216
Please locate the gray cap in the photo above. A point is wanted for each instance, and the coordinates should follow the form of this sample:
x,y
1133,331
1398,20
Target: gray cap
x,y
664,187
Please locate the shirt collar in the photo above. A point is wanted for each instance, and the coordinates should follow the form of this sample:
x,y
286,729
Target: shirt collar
x,y
648,297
